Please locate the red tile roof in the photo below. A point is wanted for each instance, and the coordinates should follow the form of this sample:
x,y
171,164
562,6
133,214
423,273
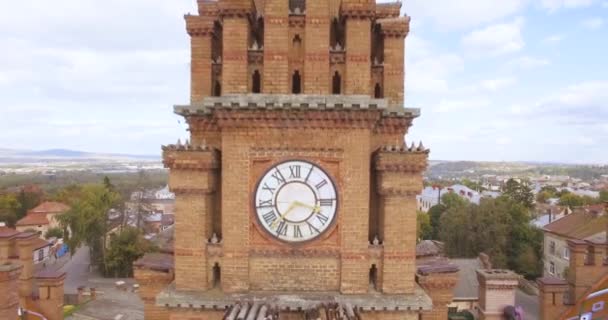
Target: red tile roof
x,y
33,219
39,243
579,225
50,207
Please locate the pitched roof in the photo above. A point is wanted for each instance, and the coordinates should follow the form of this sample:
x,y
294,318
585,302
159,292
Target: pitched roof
x,y
50,207
39,243
6,232
32,219
579,225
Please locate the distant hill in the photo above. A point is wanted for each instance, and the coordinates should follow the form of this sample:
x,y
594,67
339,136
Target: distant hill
x,y
28,156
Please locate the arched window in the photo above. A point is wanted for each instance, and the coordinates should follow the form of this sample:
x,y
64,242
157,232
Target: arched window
x,y
378,91
336,83
217,89
256,82
373,277
296,86
217,276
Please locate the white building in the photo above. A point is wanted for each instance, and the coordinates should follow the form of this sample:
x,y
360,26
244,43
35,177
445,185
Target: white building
x,y
431,196
164,194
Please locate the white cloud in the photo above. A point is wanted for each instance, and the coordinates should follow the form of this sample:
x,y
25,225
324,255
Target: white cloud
x,y
495,39
498,83
554,5
464,105
553,39
431,74
593,23
527,62
461,14
585,103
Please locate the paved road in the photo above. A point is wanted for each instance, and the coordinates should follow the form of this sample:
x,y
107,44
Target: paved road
x,y
529,303
77,270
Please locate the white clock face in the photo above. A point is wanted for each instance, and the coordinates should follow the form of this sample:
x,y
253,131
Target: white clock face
x,y
296,201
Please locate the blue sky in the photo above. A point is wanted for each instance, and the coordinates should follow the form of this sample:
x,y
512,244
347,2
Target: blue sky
x,y
496,80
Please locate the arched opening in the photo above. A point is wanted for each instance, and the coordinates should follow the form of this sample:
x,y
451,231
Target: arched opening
x,y
336,83
337,37
217,89
373,277
256,82
296,86
217,276
378,91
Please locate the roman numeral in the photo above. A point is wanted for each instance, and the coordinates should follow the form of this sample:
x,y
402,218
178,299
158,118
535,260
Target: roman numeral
x,y
322,218
269,217
309,172
265,203
269,189
282,228
326,202
321,184
312,228
297,233
294,172
279,177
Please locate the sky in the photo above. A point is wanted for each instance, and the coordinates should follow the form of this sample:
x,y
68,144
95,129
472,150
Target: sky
x,y
496,80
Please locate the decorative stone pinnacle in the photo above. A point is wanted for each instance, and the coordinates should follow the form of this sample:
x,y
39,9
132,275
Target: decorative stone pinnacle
x,y
420,146
413,147
215,239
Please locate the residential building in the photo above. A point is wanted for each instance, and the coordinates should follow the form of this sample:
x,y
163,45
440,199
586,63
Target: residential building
x,y
547,213
583,224
42,218
42,250
431,196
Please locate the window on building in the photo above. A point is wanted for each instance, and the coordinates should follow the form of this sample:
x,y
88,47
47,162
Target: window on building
x,y
296,86
551,268
217,89
552,247
40,254
378,91
256,86
217,276
567,253
336,83
373,277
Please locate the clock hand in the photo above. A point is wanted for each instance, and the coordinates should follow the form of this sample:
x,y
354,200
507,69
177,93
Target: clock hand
x,y
282,217
315,209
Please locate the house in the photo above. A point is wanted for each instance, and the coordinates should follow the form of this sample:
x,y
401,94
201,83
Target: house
x,y
431,196
42,250
584,224
164,194
42,218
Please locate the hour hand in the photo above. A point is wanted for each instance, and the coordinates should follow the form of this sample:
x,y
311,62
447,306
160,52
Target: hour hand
x,y
315,209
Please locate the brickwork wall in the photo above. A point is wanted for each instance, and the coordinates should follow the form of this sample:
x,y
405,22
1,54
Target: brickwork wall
x,y
276,46
295,274
440,288
394,75
26,279
196,315
51,298
316,70
9,291
235,45
389,315
151,284
358,50
190,240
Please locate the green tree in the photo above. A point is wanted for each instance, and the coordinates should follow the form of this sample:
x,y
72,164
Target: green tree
x,y
126,247
455,231
87,219
519,192
424,229
543,196
435,213
472,185
54,233
451,200
604,195
571,200
9,209
27,201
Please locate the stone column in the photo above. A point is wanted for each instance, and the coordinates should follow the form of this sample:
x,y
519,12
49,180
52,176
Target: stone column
x,y
235,34
399,179
276,47
50,290
496,291
193,178
25,242
394,31
9,273
358,15
316,60
200,30
551,297
438,282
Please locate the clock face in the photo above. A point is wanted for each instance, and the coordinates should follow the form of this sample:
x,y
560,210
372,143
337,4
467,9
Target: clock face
x,y
296,201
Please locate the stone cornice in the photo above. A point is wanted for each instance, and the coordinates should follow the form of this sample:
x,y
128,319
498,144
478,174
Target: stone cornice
x,y
394,159
395,27
297,21
199,26
208,8
356,10
186,157
388,10
235,8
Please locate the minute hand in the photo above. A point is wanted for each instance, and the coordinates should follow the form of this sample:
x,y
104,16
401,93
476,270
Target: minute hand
x,y
315,209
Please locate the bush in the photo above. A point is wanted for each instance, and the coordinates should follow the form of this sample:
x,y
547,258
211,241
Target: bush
x,y
54,233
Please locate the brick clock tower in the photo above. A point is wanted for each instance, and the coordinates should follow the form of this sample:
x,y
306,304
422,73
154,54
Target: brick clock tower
x,y
295,195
